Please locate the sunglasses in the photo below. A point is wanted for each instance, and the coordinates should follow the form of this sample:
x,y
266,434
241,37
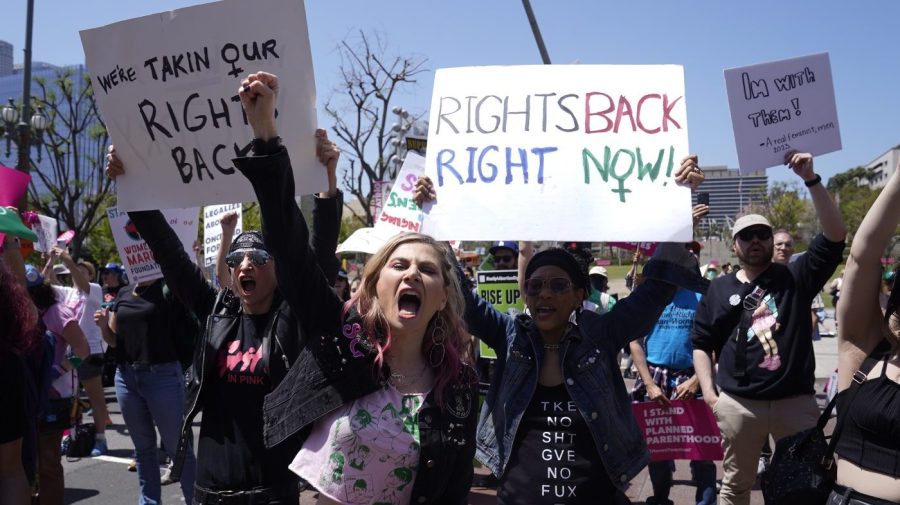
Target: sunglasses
x,y
257,257
558,285
760,233
503,259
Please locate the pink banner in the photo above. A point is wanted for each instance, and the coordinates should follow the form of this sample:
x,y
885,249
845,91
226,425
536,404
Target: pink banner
x,y
13,184
686,430
646,248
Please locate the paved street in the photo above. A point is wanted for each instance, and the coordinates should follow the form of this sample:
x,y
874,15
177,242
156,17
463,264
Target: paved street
x,y
106,481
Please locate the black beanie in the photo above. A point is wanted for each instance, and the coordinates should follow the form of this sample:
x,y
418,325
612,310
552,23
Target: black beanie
x,y
562,259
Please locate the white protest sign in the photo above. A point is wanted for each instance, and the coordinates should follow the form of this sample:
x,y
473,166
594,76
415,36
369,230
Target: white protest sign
x,y
136,255
558,152
780,106
212,229
167,87
46,228
399,212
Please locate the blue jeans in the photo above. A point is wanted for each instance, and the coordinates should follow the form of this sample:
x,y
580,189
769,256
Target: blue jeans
x,y
151,394
704,475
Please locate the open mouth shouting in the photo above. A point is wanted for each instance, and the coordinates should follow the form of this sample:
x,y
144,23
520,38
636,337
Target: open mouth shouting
x,y
248,284
408,303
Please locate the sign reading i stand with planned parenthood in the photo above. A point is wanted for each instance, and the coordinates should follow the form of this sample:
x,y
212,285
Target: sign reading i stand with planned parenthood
x,y
167,87
781,106
558,152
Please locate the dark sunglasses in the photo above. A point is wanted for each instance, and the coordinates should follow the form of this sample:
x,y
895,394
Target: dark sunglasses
x,y
257,257
503,259
760,233
558,285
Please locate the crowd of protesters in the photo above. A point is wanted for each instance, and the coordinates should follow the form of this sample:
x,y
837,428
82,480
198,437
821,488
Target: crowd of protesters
x,y
367,390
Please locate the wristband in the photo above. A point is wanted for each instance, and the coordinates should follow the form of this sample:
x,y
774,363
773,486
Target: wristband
x,y
812,182
265,147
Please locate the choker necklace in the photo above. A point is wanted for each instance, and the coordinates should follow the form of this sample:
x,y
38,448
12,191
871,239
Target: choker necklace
x,y
399,379
551,347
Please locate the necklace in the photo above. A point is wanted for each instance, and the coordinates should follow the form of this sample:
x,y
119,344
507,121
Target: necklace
x,y
399,379
551,347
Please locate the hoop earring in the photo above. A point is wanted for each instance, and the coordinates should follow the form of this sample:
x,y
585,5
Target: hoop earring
x,y
438,336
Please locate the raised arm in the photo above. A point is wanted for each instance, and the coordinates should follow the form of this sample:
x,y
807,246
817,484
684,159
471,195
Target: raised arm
x,y
228,223
833,226
184,278
300,279
79,279
861,316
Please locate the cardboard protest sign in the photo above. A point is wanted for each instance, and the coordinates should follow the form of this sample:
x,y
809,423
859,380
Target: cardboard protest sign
x,y
169,98
501,289
781,106
212,229
686,430
47,229
135,253
400,213
558,152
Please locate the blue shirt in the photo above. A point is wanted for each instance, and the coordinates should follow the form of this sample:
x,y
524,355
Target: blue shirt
x,y
669,344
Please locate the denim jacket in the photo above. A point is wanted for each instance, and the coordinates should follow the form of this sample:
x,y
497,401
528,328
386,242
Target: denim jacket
x,y
590,369
336,365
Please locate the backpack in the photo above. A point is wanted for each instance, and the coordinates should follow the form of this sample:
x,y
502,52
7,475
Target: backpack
x,y
187,328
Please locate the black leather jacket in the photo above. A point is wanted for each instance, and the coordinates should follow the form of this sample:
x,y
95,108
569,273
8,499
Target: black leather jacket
x,y
219,311
335,368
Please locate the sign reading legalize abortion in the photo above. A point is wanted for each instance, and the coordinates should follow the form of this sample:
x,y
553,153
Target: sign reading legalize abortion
x,y
167,87
212,229
558,152
781,106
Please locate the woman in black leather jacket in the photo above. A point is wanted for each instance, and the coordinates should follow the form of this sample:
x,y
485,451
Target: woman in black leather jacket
x,y
250,338
381,395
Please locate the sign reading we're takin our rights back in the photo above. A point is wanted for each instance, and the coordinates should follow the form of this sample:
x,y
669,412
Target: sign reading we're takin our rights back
x,y
167,87
558,152
781,106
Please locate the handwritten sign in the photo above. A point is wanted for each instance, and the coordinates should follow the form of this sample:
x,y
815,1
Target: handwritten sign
x,y
47,229
135,253
780,106
399,212
501,289
686,430
169,97
212,229
366,240
558,152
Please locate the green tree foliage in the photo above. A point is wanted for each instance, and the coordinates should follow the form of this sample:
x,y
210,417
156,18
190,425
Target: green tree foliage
x,y
71,186
786,207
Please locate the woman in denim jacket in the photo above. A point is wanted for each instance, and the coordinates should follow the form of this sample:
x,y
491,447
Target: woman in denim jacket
x,y
557,425
380,393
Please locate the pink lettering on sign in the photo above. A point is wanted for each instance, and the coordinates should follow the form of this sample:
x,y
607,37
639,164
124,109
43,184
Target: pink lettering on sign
x,y
686,430
647,248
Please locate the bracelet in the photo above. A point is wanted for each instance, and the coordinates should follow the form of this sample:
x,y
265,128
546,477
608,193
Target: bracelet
x,y
812,182
265,147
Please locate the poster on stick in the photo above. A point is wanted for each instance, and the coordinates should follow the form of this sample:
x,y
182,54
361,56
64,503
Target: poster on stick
x,y
558,152
399,211
135,253
169,98
685,430
47,229
781,106
212,229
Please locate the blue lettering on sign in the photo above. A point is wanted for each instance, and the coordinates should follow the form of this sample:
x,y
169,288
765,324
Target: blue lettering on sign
x,y
480,166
